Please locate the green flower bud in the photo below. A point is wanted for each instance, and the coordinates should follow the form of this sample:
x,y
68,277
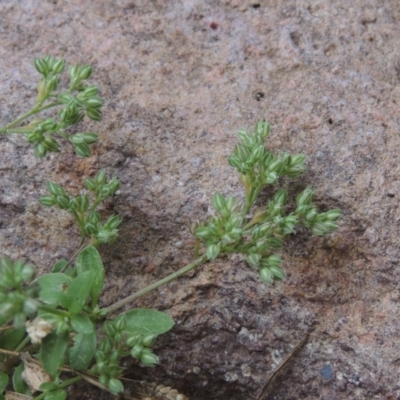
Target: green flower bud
x,y
105,192
6,309
77,138
218,202
82,203
106,345
311,214
256,233
19,320
90,184
100,356
47,201
234,162
40,150
305,197
298,159
203,232
113,185
63,202
101,177
90,137
134,339
136,351
114,355
274,243
281,196
333,215
51,144
49,125
274,261
41,66
90,229
262,128
113,222
28,272
254,260
55,189
242,153
103,379
272,177
66,98
258,152
82,150
213,251
120,323
265,275
117,337
275,165
94,102
85,72
52,84
149,340
148,358
94,217
90,91
109,329
115,386
73,71
58,66
105,236
277,272
30,306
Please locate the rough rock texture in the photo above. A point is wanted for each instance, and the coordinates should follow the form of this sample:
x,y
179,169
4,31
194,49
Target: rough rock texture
x,y
179,79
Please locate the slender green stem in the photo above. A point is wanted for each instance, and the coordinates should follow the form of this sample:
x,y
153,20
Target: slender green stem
x,y
81,246
119,304
22,344
54,311
31,112
69,382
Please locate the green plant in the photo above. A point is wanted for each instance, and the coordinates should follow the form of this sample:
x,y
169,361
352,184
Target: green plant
x,y
53,324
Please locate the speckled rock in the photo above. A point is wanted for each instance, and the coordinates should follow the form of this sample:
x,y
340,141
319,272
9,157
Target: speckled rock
x,y
179,79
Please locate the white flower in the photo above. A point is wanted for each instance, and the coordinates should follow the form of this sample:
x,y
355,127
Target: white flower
x,y
38,329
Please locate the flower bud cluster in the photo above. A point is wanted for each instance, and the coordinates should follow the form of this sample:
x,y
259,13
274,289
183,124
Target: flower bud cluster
x,y
319,223
116,344
100,187
139,345
85,102
259,238
17,300
49,65
224,230
41,134
88,219
259,167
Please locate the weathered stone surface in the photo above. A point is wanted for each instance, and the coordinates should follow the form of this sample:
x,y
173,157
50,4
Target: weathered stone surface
x,y
179,79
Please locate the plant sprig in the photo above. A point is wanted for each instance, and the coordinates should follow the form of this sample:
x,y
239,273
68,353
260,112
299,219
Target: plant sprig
x,y
78,100
59,312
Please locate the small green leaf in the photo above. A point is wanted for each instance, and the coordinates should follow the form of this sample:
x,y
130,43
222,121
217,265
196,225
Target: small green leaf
x,y
53,350
58,394
19,384
81,354
148,321
89,260
78,292
3,381
11,338
82,324
48,386
53,287
59,265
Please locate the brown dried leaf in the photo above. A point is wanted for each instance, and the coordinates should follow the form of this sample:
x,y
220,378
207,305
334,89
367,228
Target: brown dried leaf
x,y
34,375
